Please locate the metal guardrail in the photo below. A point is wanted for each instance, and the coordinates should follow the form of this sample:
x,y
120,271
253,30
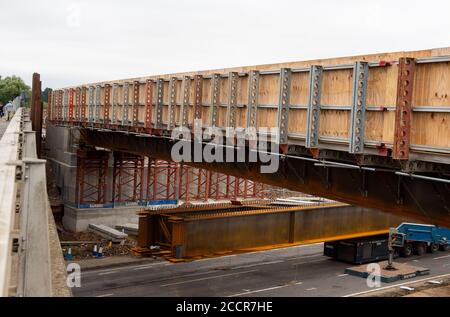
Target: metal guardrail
x,y
24,207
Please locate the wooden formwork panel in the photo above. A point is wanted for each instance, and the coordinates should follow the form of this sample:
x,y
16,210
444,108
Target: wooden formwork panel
x,y
431,88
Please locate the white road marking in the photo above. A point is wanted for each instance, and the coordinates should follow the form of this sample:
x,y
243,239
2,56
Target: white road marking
x,y
441,257
104,295
395,285
263,290
125,267
435,282
311,289
256,264
342,275
407,288
148,266
206,278
258,291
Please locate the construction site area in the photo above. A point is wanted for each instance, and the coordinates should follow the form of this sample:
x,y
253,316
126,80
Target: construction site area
x,y
315,178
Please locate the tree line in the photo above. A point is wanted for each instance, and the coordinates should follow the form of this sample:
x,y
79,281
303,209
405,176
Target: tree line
x,y
13,86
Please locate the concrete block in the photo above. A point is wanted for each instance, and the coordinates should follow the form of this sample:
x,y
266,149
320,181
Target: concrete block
x,y
402,271
108,232
129,228
78,219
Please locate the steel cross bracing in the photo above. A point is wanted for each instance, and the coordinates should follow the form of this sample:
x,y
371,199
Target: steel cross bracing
x,y
92,168
163,180
128,177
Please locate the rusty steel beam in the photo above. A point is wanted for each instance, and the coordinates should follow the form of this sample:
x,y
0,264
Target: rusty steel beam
x,y
384,190
198,233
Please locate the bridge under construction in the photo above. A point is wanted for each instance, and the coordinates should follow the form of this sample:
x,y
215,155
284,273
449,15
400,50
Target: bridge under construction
x,y
366,130
369,134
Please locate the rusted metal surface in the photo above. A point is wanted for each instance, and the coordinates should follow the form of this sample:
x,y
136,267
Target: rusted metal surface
x,y
71,104
92,167
128,177
36,111
198,82
135,103
383,190
161,180
51,99
107,105
194,232
148,105
83,104
403,111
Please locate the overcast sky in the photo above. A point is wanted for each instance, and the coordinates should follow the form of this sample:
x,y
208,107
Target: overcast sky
x,y
73,42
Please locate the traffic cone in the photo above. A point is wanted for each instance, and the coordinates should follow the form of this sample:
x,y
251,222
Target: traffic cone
x,y
69,255
94,252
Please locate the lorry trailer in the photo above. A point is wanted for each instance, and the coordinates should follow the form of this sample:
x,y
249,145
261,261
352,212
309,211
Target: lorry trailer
x,y
407,239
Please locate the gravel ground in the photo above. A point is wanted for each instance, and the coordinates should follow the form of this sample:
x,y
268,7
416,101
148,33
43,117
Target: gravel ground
x,y
84,251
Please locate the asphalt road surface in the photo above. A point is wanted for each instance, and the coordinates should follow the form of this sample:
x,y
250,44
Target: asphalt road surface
x,y
293,271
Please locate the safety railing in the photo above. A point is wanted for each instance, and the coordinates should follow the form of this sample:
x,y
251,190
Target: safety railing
x,y
24,213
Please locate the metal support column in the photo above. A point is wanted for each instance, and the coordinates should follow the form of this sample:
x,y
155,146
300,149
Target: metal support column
x,y
283,107
198,86
128,173
107,105
136,105
233,78
403,111
253,92
159,102
125,104
357,116
92,169
148,105
313,111
185,103
172,102
215,100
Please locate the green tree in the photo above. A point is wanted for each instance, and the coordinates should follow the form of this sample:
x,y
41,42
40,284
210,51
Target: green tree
x,y
45,94
11,87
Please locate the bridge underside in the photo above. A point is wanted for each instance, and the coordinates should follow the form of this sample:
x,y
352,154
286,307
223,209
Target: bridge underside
x,y
421,199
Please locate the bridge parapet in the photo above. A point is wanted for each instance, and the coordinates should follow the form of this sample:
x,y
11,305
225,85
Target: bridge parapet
x,y
25,263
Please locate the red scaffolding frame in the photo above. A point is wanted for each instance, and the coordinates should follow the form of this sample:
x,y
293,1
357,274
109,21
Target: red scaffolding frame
x,y
194,183
128,177
164,180
161,180
92,170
